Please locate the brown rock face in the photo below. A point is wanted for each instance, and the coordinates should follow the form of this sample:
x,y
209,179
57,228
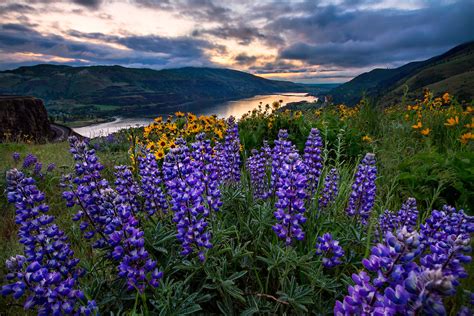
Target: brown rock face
x,y
23,118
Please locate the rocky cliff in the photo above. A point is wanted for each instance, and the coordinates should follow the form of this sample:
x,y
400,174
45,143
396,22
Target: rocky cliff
x,y
23,118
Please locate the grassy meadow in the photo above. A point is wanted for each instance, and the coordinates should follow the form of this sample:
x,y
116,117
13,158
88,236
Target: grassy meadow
x,y
423,150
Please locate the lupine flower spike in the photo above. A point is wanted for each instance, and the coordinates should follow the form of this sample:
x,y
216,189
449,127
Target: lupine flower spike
x,y
228,154
291,194
152,184
47,274
330,250
184,182
362,197
257,165
109,214
283,147
313,160
330,190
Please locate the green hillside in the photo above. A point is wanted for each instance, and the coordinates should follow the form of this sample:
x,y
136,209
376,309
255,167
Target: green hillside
x,y
451,71
129,91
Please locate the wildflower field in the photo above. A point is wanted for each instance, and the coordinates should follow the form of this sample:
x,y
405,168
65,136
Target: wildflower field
x,y
337,210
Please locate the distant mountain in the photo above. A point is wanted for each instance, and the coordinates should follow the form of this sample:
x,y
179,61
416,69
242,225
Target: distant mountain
x,y
136,91
451,72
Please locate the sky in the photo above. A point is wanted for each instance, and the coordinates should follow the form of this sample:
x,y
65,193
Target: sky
x,y
306,41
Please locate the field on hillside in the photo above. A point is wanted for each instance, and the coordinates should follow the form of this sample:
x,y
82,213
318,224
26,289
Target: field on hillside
x,y
337,210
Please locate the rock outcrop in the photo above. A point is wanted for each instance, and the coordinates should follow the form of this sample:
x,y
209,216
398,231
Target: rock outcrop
x,y
23,118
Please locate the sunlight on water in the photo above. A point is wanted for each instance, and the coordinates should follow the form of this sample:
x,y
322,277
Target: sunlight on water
x,y
235,108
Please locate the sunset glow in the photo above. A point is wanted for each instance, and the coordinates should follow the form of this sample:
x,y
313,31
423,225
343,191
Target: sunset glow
x,y
303,41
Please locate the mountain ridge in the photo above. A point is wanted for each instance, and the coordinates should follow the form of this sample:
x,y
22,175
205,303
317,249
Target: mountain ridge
x,y
135,91
388,86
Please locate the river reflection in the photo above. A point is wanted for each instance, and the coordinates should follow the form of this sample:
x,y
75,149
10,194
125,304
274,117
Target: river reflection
x,y
235,108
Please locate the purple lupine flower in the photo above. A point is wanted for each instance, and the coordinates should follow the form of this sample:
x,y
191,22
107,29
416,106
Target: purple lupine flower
x,y
330,249
362,198
110,138
283,147
331,189
291,194
184,181
127,241
441,224
312,159
267,152
37,169
151,184
16,157
127,188
29,161
203,156
51,167
391,262
361,299
48,272
85,191
447,234
109,214
407,216
257,165
228,154
427,288
402,286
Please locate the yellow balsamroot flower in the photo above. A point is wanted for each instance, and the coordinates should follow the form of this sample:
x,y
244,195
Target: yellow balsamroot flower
x,y
270,124
428,96
425,132
162,143
159,154
158,119
150,146
191,117
219,133
465,138
417,125
446,98
367,139
452,121
298,114
317,113
172,127
179,114
469,110
471,125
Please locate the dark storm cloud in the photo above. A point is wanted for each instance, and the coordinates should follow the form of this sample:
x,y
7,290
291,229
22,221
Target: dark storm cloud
x,y
152,51
244,59
243,33
331,36
15,8
207,10
89,3
176,46
278,66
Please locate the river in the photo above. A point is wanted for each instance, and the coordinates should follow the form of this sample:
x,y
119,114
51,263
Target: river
x,y
235,108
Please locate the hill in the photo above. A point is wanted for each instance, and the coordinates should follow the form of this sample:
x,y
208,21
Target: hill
x,y
452,71
23,118
131,91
